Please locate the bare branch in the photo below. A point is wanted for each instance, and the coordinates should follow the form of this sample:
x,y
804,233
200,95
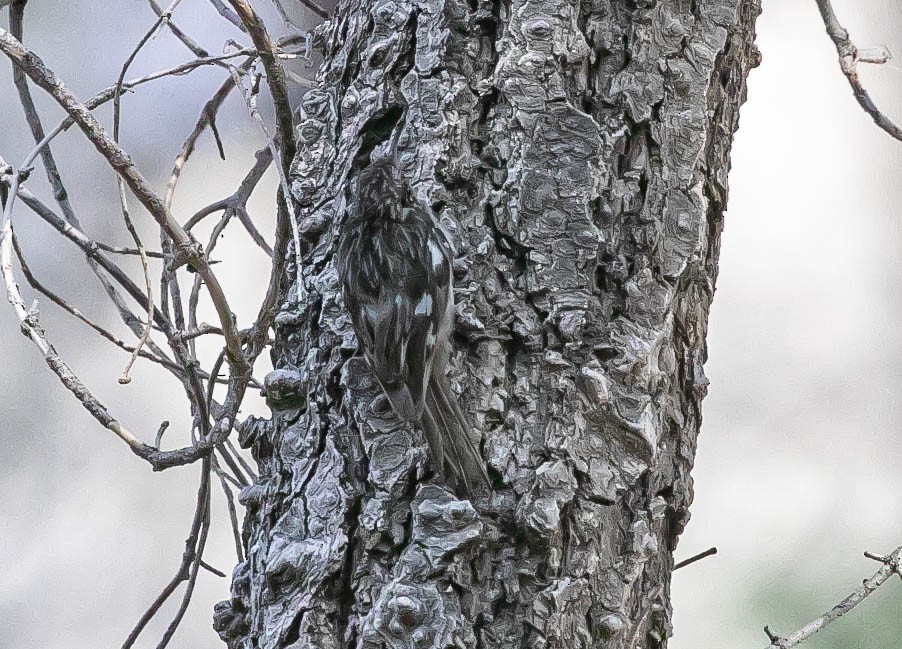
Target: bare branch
x,y
263,158
194,566
186,248
247,469
201,330
88,246
73,311
892,565
315,7
849,58
228,14
237,202
31,329
118,250
194,296
178,33
186,251
192,555
233,512
275,76
123,198
213,571
207,116
17,18
250,97
698,557
108,94
248,224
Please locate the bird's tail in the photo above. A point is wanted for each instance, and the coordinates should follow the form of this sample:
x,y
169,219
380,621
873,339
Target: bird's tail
x,y
448,435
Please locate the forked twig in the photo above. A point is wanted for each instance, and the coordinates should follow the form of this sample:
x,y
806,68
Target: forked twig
x,y
849,58
892,565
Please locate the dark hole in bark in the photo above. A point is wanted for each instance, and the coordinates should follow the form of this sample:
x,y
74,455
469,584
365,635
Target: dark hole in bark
x,y
605,354
486,102
347,594
406,62
381,405
643,185
725,77
601,279
627,55
376,130
293,632
378,57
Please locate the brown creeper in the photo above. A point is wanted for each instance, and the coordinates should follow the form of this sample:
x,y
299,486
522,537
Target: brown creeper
x,y
394,262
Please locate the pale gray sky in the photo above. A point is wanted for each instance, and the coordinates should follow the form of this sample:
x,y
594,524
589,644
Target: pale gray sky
x,y
797,469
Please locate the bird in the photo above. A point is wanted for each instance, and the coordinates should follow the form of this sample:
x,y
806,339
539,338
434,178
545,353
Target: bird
x,y
394,263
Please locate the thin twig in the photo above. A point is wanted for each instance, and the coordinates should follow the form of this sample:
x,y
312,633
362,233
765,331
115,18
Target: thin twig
x,y
233,512
43,141
263,158
158,356
252,230
892,565
315,7
107,94
168,281
89,247
247,469
194,566
207,115
159,438
275,77
120,183
31,329
201,330
237,202
241,480
178,33
228,14
286,19
17,19
118,250
250,98
194,296
697,557
191,555
63,304
214,571
185,246
849,59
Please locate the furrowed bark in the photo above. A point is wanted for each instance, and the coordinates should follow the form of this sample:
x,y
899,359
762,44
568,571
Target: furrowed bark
x,y
578,152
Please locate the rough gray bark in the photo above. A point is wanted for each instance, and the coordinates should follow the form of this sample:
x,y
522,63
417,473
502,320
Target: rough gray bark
x,y
579,154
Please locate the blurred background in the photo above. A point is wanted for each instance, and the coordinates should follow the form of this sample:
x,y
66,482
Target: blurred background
x,y
798,463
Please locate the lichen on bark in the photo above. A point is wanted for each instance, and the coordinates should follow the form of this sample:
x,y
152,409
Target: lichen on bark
x,y
578,153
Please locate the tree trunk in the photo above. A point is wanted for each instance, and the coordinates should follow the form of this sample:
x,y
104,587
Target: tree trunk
x,y
578,153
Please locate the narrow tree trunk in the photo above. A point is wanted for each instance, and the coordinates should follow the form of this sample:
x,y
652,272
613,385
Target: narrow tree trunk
x,y
578,152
